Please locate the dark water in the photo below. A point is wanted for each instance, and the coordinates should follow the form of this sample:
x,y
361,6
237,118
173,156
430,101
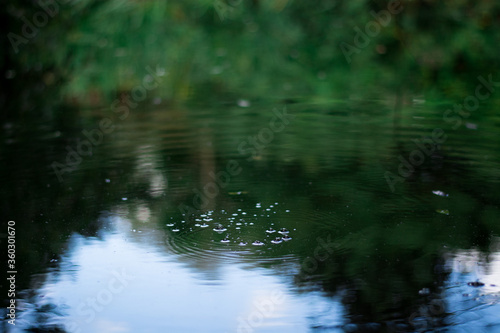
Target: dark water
x,y
250,166
125,240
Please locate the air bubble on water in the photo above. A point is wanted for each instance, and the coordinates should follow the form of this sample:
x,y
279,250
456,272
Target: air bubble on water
x,y
220,228
257,243
204,225
107,180
170,224
133,230
238,228
251,223
239,209
225,240
244,213
270,230
277,240
124,199
243,243
197,225
283,231
286,238
175,230
288,210
235,214
268,209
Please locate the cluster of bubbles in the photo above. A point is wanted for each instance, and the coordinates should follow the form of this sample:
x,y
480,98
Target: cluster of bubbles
x,y
236,221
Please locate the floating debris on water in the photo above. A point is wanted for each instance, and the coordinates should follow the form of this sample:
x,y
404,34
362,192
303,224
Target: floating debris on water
x,y
424,291
443,211
475,284
440,193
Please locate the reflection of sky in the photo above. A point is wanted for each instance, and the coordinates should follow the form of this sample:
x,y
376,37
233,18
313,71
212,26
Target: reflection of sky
x,y
473,309
169,296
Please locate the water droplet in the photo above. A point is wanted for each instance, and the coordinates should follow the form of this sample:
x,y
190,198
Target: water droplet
x,y
277,240
283,231
220,228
